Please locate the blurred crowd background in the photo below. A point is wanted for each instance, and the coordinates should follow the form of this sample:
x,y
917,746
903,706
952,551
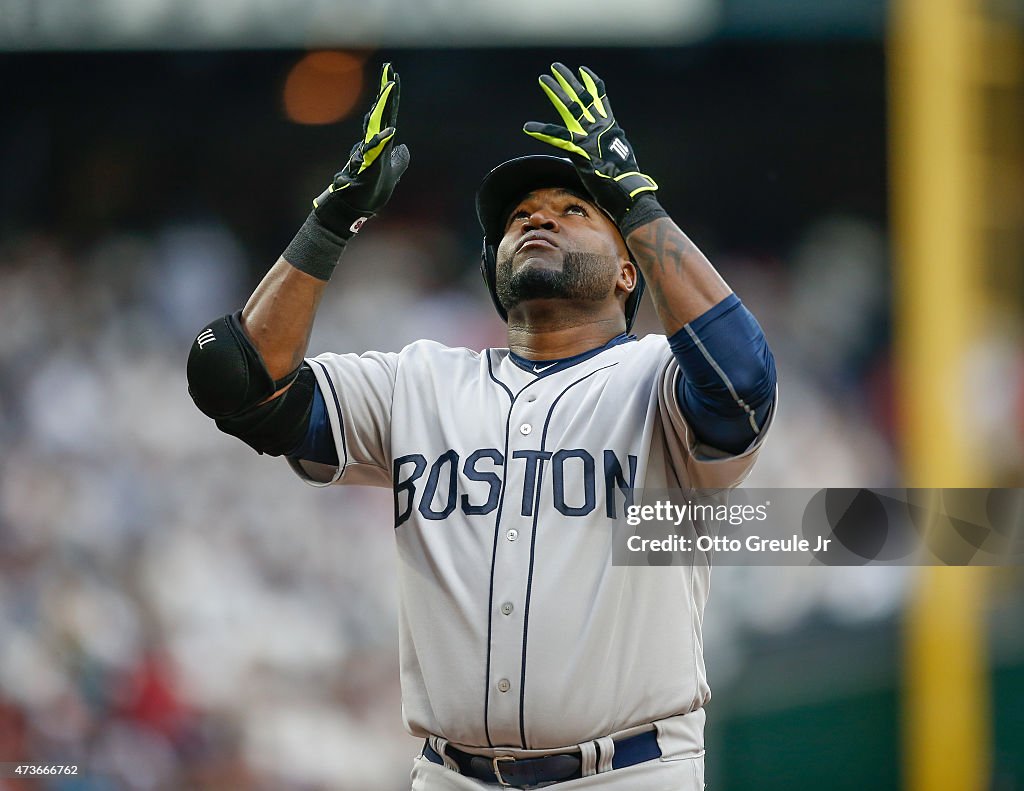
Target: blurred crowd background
x,y
177,612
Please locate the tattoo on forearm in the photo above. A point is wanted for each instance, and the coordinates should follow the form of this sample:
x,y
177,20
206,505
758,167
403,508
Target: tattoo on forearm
x,y
661,249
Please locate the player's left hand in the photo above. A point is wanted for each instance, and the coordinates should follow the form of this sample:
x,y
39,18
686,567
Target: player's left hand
x,y
593,139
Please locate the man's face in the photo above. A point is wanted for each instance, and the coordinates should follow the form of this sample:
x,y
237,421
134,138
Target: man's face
x,y
558,245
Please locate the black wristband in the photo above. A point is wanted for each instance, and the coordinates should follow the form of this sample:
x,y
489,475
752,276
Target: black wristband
x,y
315,250
645,209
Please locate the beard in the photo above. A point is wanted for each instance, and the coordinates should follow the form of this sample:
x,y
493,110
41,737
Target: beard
x,y
584,277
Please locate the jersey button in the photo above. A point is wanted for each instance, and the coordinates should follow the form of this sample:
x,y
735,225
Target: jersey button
x,y
504,685
525,429
507,608
512,534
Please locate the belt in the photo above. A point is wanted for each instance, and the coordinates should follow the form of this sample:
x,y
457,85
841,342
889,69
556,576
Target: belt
x,y
504,770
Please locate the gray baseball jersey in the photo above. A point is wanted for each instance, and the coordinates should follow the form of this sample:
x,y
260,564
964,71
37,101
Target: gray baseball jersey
x,y
515,628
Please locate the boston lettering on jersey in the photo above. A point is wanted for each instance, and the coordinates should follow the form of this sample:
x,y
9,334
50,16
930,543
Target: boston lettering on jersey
x,y
436,488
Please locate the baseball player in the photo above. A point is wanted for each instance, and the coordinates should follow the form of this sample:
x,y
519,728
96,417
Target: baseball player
x,y
527,659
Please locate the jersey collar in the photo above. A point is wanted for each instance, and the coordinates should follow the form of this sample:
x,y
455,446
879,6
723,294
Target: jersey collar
x,y
541,368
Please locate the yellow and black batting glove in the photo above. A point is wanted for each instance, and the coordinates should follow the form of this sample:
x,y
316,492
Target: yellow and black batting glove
x,y
597,146
373,169
358,191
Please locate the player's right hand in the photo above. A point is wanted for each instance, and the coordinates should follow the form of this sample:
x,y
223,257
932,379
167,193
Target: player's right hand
x,y
374,166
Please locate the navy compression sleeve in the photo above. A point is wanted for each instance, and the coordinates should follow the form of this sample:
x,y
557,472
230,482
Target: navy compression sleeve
x,y
728,381
318,444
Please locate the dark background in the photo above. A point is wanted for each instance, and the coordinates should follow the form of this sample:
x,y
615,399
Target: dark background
x,y
750,140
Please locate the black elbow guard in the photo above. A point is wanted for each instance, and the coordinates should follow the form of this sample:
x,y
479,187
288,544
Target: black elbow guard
x,y
279,426
225,372
229,382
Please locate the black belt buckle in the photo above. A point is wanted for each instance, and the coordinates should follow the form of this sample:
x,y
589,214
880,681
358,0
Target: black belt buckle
x,y
497,769
508,771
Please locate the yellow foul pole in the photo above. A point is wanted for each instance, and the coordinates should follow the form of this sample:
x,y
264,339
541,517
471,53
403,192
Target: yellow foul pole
x,y
934,57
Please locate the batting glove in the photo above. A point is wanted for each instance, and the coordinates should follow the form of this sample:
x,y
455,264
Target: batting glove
x,y
597,146
358,191
374,166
